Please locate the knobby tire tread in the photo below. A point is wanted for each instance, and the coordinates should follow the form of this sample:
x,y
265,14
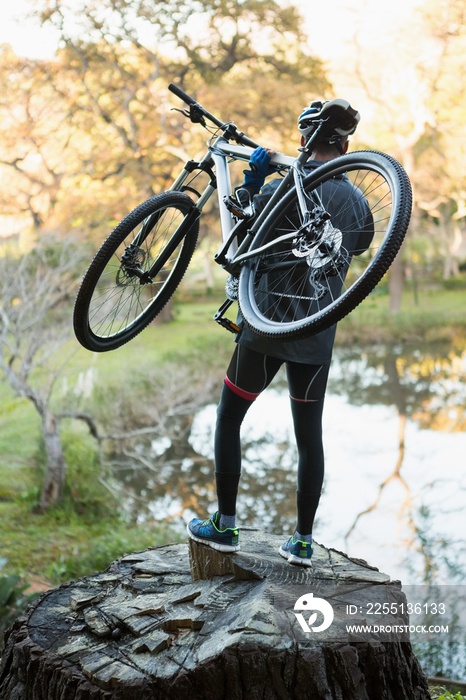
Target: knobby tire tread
x,y
341,307
89,282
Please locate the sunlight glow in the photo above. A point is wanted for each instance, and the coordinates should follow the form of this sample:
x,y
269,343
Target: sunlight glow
x,y
330,26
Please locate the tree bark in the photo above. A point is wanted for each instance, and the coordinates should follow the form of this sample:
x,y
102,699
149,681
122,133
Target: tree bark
x,y
54,480
146,629
396,284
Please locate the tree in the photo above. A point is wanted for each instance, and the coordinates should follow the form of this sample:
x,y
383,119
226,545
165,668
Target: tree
x,y
34,142
441,152
90,134
411,82
34,326
116,62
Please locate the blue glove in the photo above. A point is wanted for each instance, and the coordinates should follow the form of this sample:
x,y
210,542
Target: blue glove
x,y
259,163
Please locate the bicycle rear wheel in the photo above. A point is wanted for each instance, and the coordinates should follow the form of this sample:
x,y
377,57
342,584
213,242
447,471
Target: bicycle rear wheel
x,y
136,271
309,274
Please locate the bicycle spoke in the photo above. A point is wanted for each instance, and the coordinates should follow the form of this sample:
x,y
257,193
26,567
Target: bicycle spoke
x,y
116,306
341,239
136,271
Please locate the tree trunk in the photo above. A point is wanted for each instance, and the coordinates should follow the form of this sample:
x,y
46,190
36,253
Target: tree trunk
x,y
153,627
54,480
166,314
395,284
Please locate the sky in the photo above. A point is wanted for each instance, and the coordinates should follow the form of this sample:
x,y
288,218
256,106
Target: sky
x,y
330,25
24,36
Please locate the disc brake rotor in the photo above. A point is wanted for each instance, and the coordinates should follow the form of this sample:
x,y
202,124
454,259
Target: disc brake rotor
x,y
319,248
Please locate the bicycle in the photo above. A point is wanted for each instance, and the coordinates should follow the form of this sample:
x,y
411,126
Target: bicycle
x,y
291,269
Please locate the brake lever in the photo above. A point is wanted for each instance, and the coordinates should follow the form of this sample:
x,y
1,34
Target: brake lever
x,y
184,112
194,113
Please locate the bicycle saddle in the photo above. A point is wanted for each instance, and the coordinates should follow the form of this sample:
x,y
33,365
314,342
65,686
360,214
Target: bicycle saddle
x,y
339,118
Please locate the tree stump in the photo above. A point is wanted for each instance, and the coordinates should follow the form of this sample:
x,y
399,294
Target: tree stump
x,y
153,626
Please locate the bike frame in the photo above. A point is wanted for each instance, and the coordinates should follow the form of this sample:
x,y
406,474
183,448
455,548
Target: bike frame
x,y
215,163
287,259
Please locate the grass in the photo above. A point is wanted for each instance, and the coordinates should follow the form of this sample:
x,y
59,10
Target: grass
x,y
62,544
442,693
56,545
438,315
192,332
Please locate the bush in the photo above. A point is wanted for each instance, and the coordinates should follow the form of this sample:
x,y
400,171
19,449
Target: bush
x,y
441,693
13,599
99,552
84,491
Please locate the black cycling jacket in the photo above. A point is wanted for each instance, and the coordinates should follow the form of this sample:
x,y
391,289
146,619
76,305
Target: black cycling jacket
x,y
317,349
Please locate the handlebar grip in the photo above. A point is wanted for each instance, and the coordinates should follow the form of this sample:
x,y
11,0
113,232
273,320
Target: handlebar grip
x,y
187,99
194,105
181,94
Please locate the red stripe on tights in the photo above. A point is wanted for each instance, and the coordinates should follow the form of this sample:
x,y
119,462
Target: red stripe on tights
x,y
240,392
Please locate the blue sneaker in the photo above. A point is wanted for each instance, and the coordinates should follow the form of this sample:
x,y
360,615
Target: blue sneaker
x,y
207,532
297,551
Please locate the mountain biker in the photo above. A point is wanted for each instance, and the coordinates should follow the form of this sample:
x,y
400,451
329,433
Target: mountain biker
x,y
256,359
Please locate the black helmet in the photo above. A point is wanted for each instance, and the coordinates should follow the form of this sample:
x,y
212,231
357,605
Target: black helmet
x,y
339,119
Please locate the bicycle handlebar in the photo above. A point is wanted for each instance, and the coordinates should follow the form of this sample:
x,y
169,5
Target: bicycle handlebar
x,y
195,107
181,94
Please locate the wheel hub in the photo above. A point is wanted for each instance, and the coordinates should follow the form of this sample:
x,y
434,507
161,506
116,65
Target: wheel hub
x,y
318,240
132,261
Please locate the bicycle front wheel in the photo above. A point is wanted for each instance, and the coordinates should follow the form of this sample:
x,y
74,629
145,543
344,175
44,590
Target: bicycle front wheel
x,y
311,270
136,271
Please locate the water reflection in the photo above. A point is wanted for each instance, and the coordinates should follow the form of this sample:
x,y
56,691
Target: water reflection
x,y
395,440
410,408
395,479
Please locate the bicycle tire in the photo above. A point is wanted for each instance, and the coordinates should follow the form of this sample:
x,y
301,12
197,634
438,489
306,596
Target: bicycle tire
x,y
118,298
282,295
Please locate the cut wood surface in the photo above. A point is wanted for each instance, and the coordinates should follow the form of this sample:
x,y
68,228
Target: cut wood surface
x,y
184,621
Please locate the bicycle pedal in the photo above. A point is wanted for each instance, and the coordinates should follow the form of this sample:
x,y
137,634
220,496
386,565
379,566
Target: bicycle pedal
x,y
236,209
228,324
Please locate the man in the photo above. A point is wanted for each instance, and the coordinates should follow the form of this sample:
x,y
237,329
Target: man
x,y
257,359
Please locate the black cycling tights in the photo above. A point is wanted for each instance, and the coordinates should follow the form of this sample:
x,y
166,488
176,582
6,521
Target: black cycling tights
x,y
248,375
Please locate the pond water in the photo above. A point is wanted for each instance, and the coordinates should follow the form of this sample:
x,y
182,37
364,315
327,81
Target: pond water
x,y
395,484
395,445
371,507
